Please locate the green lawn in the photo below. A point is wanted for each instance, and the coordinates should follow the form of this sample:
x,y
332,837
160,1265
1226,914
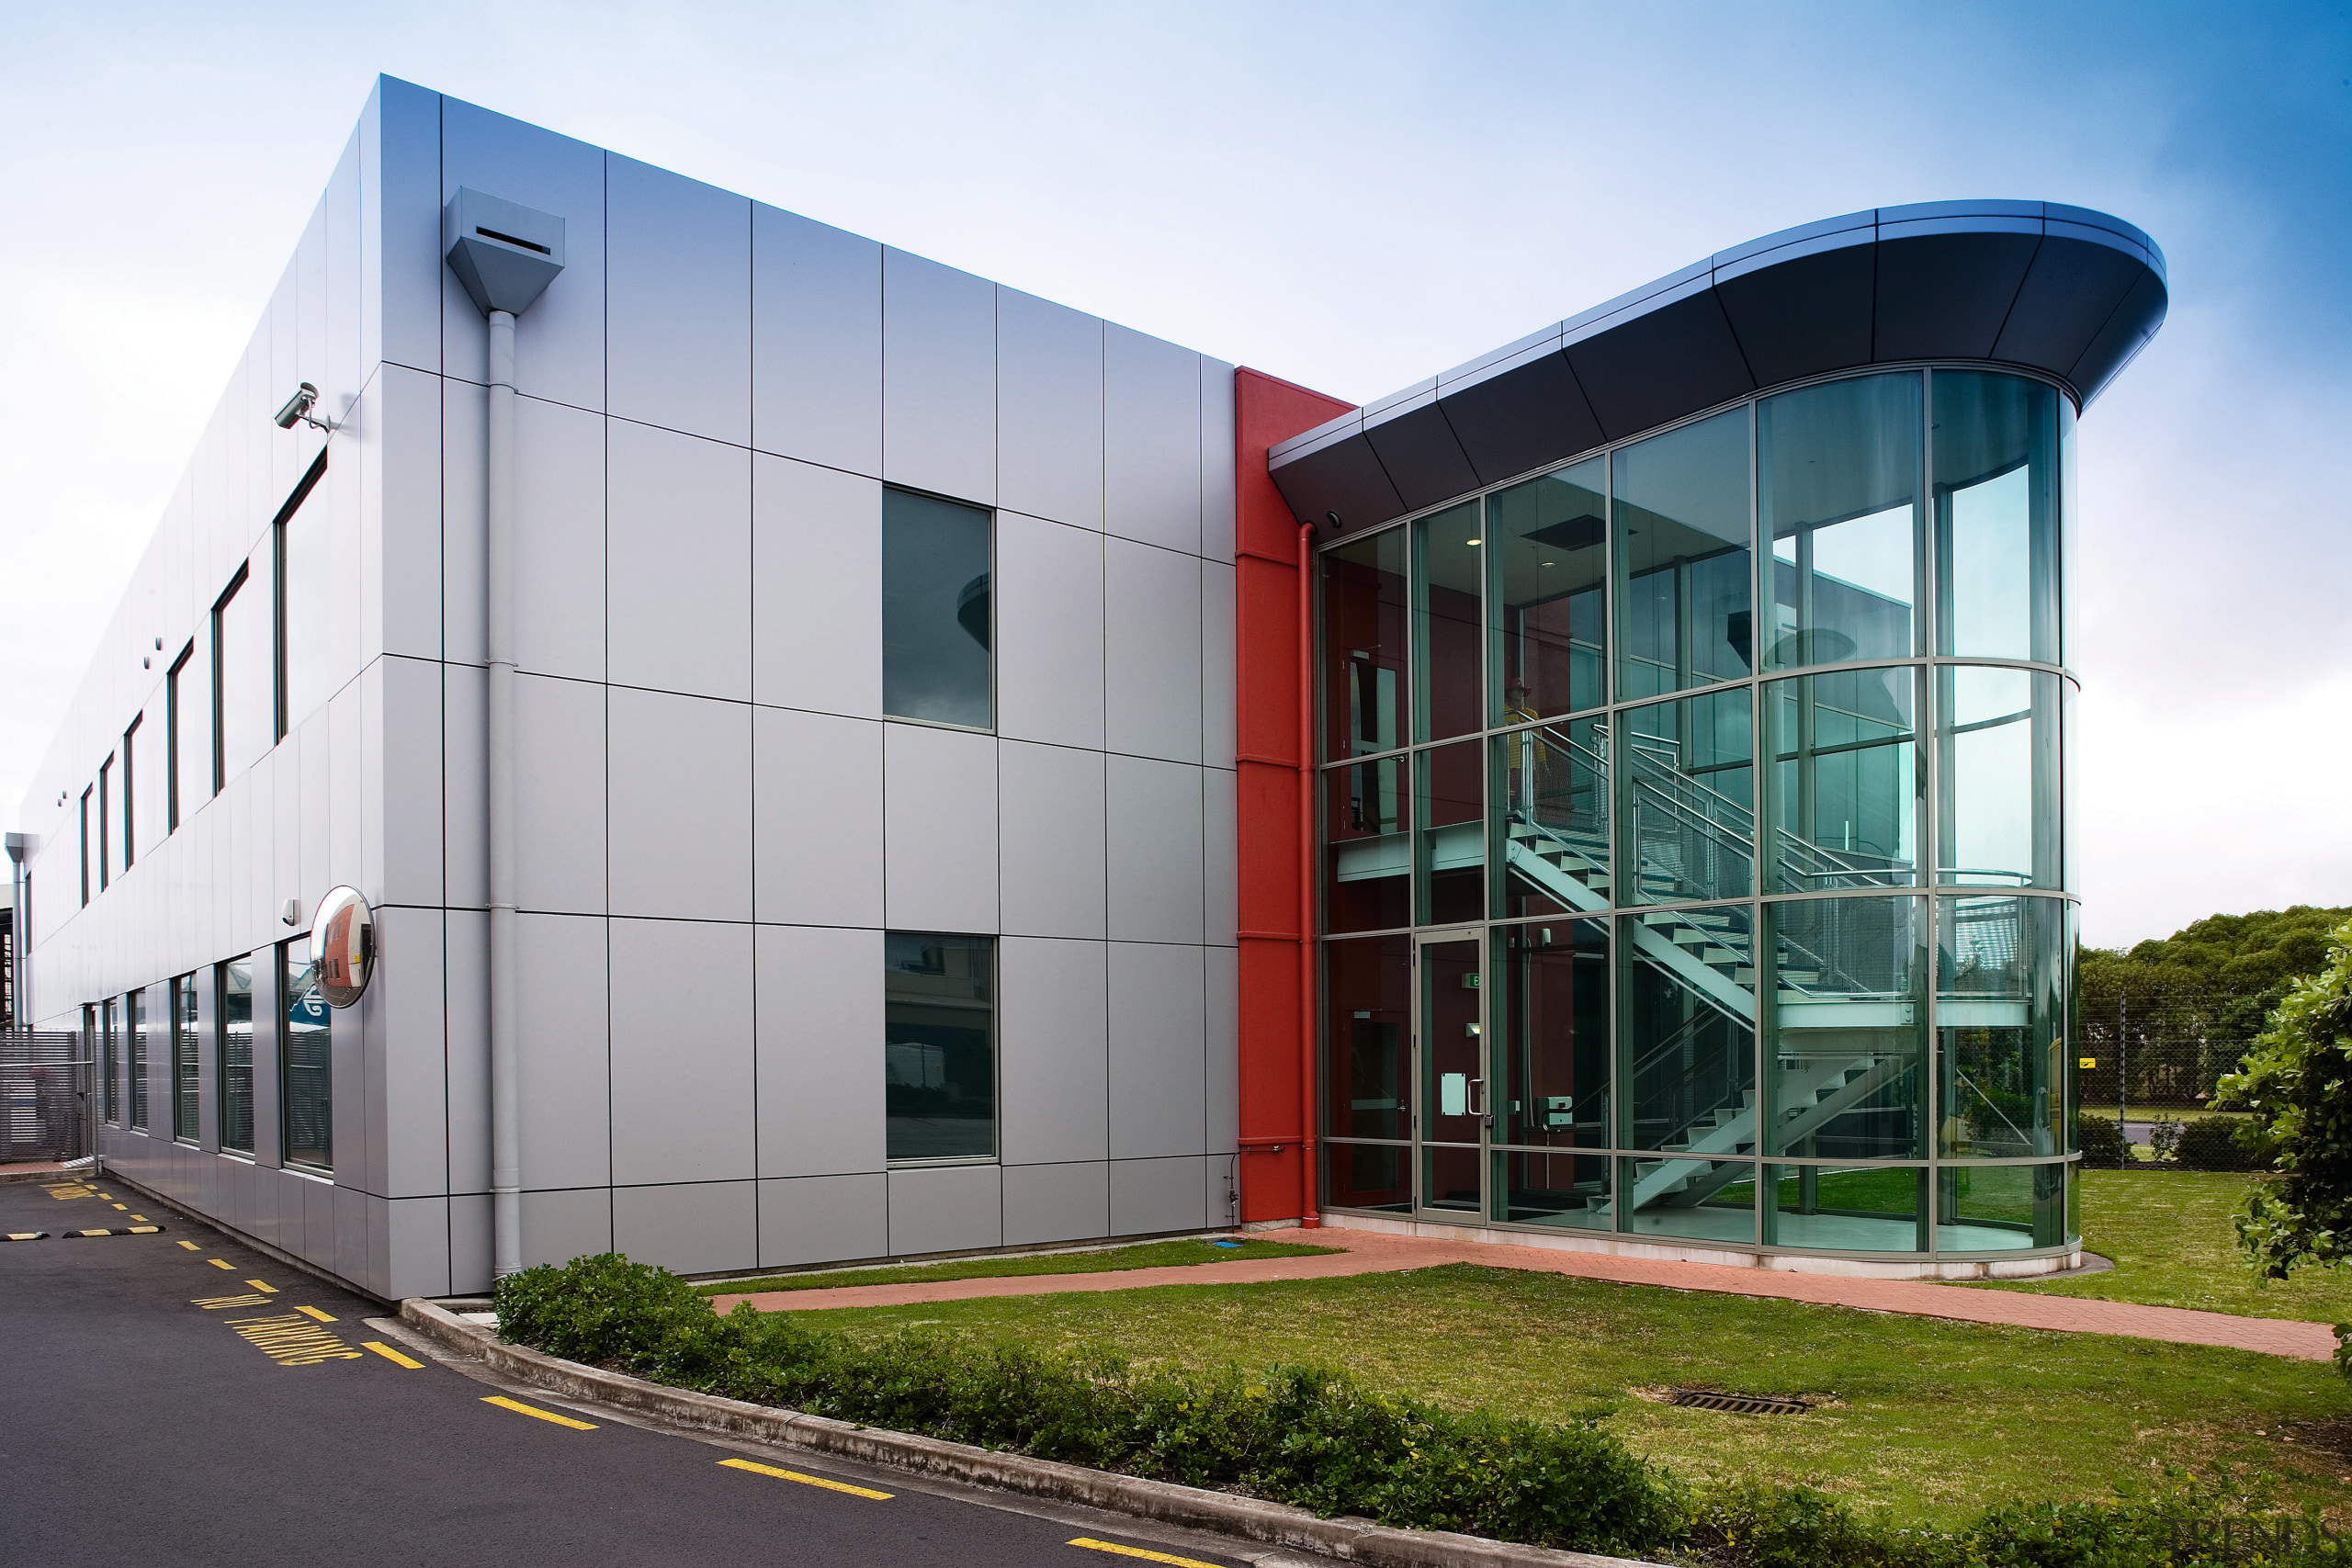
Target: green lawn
x,y
1145,1255
2170,1236
1928,1418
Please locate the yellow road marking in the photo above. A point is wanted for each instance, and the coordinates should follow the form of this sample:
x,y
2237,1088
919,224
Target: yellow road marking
x,y
122,1205
394,1356
292,1341
214,1303
108,1196
189,1245
1093,1545
519,1407
313,1311
219,1264
264,1289
806,1480
140,1218
73,1190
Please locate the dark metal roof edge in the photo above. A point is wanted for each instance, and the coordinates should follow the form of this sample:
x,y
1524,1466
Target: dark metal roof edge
x,y
1918,221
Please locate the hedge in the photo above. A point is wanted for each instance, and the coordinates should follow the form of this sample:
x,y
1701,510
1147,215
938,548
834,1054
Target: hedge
x,y
1316,1438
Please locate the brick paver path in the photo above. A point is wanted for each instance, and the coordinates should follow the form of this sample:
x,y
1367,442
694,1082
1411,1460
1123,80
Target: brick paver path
x,y
1372,1252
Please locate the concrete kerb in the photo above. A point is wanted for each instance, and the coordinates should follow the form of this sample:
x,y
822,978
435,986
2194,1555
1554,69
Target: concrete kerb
x,y
1273,1524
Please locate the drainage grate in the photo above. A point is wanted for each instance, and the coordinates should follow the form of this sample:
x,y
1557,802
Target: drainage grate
x,y
1736,1403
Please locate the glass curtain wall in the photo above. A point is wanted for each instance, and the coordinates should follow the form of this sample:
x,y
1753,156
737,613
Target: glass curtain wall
x,y
1692,861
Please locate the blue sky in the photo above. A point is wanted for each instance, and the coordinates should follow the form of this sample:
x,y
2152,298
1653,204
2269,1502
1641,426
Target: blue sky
x,y
1351,196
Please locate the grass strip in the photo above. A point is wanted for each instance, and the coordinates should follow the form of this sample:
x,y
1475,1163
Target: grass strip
x,y
2170,1236
1143,1255
1344,1441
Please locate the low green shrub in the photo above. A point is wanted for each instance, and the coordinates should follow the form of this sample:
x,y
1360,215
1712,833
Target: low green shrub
x,y
2223,1143
2101,1140
1317,1439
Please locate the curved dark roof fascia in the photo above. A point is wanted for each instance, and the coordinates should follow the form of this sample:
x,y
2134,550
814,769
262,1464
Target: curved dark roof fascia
x,y
2063,290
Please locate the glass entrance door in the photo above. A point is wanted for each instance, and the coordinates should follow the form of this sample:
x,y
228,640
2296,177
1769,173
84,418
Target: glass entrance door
x,y
1449,1015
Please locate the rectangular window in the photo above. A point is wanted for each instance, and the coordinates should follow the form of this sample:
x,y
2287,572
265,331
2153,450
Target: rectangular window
x,y
134,1011
187,743
305,1062
106,822
937,560
131,792
111,1069
85,849
939,1045
234,1011
244,679
302,546
1680,510
185,1083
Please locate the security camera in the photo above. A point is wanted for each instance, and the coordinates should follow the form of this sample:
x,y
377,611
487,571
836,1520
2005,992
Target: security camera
x,y
297,409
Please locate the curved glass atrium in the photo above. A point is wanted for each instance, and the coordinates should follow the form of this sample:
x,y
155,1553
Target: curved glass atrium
x,y
1693,857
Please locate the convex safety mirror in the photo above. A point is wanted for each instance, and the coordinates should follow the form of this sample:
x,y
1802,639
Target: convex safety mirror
x,y
343,945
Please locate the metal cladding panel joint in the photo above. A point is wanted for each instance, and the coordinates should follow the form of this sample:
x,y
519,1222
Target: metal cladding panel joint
x,y
1519,415
1945,294
1661,364
1416,449
1806,315
505,254
2069,292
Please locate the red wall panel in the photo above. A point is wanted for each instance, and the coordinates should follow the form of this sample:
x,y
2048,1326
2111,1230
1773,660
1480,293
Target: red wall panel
x,y
1269,695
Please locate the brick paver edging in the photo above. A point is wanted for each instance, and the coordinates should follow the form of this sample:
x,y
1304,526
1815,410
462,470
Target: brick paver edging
x,y
1373,1252
1347,1539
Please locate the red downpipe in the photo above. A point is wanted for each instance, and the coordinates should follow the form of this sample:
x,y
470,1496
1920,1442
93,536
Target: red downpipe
x,y
1309,1211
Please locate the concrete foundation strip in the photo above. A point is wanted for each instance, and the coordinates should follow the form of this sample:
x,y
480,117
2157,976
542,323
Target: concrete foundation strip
x,y
1347,1539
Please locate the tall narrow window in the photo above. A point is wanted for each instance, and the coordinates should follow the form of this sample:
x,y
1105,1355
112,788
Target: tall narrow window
x,y
134,1012
185,1083
131,792
305,1063
939,1045
234,1011
85,849
106,821
243,680
187,749
110,1064
936,617
302,592
1679,504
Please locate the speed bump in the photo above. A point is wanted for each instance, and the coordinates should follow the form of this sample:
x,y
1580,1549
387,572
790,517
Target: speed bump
x,y
119,1230
26,1235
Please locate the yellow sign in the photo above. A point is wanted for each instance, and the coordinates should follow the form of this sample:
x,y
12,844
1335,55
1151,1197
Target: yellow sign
x,y
2086,1063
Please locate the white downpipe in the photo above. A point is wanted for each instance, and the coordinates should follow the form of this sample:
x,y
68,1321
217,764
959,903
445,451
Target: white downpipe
x,y
506,1093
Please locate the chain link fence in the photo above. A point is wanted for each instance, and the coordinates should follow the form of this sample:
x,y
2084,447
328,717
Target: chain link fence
x,y
2149,1061
44,1096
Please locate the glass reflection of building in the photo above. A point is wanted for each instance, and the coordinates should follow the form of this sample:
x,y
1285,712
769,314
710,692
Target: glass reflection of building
x,y
1693,850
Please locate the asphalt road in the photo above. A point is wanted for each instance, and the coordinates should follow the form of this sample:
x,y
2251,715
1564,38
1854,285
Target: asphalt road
x,y
163,1403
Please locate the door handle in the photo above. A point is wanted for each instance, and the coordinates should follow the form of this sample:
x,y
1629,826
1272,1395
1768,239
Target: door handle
x,y
1479,1101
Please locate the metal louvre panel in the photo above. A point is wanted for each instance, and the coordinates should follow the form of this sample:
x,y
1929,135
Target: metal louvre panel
x,y
44,1096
